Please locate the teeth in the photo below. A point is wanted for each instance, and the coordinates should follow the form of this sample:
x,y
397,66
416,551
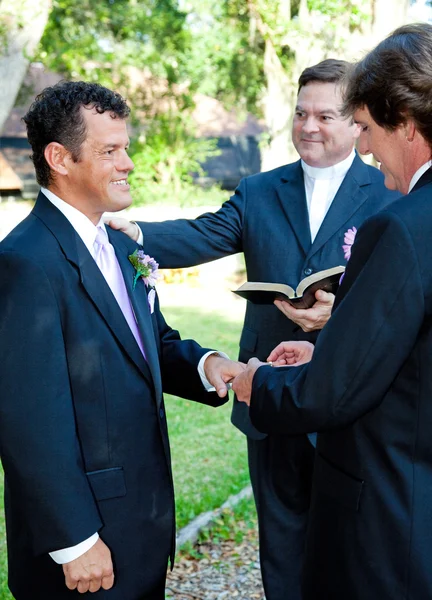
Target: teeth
x,y
120,182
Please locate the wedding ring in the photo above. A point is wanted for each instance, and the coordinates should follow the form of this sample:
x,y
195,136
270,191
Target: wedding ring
x,y
270,362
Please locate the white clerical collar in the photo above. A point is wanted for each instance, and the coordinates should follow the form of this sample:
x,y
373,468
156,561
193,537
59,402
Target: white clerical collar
x,y
338,170
82,224
418,174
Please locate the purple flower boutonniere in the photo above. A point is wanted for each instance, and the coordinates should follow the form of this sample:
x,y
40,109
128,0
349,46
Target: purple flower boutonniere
x,y
146,267
349,238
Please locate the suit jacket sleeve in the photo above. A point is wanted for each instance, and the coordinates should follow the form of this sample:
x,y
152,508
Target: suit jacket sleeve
x,y
179,365
378,313
38,442
184,243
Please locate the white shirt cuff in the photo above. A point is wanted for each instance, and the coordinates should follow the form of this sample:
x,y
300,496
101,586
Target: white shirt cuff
x,y
140,239
68,554
208,386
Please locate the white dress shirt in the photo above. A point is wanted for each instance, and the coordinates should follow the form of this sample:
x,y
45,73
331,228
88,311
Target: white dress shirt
x,y
321,186
418,174
88,232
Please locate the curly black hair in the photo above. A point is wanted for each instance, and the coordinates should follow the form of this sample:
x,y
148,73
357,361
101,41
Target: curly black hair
x,y
55,116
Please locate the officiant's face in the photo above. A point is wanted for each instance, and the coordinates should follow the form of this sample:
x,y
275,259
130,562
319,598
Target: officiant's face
x,y
319,133
98,179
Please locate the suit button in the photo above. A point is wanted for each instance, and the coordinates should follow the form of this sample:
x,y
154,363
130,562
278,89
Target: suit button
x,y
161,413
308,271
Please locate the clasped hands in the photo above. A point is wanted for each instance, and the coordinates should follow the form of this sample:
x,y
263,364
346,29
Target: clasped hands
x,y
285,354
220,371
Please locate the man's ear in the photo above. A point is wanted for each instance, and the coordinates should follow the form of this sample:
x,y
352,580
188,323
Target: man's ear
x,y
410,130
57,156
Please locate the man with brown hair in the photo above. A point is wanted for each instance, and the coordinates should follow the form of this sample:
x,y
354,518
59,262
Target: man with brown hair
x,y
289,222
370,526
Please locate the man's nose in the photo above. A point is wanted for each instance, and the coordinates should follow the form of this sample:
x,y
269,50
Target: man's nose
x,y
125,163
362,144
310,125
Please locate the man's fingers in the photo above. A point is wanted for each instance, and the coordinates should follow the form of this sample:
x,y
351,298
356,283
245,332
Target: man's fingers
x,y
322,296
108,582
83,587
130,229
90,570
276,353
71,581
95,585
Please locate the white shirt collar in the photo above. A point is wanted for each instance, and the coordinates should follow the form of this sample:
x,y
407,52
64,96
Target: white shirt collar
x,y
338,170
418,174
82,224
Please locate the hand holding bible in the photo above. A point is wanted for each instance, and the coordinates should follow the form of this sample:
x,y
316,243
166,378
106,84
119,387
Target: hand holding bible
x,y
309,319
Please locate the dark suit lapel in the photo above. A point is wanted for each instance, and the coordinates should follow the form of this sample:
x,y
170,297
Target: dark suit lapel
x,y
124,247
347,201
292,197
424,179
91,278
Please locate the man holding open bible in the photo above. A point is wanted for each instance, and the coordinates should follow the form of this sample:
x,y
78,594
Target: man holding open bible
x,y
290,223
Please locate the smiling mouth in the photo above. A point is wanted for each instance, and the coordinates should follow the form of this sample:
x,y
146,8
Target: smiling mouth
x,y
120,183
312,141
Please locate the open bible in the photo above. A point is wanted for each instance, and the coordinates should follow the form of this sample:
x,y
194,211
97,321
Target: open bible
x,y
303,296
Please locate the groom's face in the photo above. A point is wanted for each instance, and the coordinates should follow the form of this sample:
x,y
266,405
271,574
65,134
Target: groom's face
x,y
98,180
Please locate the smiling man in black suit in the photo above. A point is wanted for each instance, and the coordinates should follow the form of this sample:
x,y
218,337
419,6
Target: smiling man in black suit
x,y
85,355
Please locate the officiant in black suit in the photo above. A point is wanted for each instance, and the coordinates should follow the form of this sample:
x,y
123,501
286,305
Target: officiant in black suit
x,y
370,527
85,355
289,223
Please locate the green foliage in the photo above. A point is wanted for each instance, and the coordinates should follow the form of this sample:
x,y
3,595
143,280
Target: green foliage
x,y
166,157
95,39
226,58
158,53
357,11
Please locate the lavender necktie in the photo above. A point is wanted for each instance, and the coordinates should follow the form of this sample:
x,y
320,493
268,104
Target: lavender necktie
x,y
107,262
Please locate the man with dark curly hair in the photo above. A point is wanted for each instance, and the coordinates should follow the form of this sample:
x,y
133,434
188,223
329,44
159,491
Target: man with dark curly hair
x,y
85,355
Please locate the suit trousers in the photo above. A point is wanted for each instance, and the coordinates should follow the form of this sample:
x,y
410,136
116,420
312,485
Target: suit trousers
x,y
281,474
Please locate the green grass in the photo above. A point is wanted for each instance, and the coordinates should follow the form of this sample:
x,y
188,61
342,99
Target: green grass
x,y
208,453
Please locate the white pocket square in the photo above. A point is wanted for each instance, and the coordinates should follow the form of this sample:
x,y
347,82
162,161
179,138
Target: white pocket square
x,y
151,300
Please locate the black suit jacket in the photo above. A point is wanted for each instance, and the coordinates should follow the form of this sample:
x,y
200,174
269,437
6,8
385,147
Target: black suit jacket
x,y
83,435
370,530
267,219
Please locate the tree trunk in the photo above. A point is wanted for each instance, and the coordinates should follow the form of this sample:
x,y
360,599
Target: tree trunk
x,y
278,111
388,16
22,23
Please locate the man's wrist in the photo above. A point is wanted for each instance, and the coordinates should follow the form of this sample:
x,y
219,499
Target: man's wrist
x,y
67,555
138,237
208,386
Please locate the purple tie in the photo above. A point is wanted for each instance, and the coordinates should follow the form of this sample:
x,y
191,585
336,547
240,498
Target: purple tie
x,y
107,262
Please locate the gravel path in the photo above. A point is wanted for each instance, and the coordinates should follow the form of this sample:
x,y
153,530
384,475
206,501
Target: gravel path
x,y
225,570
